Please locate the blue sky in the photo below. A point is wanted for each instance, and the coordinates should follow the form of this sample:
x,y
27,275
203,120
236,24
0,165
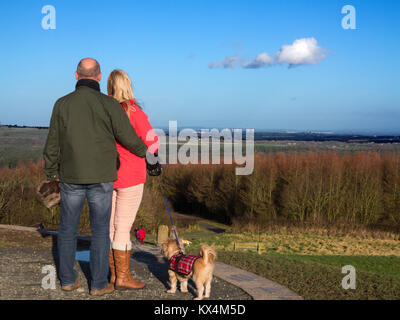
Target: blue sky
x,y
167,48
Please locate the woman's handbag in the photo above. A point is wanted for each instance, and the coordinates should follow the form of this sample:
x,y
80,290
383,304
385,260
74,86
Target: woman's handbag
x,y
154,169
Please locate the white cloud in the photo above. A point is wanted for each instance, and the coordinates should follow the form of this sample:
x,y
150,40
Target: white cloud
x,y
300,52
227,63
304,51
261,60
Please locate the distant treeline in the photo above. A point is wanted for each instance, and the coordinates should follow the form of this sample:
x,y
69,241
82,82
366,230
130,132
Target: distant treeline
x,y
285,189
17,126
311,136
312,188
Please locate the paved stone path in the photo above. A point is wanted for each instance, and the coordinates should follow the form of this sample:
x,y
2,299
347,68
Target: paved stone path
x,y
149,264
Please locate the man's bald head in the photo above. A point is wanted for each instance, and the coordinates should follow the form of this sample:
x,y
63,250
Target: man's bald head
x,y
88,68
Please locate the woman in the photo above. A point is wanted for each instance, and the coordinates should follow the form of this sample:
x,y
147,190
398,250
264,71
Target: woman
x,y
128,189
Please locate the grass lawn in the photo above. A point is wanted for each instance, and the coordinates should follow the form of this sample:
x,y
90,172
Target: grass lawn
x,y
388,265
311,264
319,280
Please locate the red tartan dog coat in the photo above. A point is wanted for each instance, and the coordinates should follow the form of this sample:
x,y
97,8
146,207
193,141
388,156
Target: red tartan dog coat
x,y
182,263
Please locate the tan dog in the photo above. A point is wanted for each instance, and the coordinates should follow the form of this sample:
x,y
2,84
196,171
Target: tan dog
x,y
202,270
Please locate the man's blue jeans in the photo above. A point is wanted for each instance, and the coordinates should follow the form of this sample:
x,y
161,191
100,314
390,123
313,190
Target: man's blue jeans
x,y
73,197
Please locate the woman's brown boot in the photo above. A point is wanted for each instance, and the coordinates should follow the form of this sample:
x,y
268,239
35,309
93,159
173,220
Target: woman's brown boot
x,y
112,265
124,279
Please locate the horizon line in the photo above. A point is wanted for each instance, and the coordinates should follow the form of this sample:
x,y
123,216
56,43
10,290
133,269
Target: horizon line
x,y
261,130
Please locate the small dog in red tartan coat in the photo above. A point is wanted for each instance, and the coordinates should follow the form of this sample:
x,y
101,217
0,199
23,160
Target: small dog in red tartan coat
x,y
181,267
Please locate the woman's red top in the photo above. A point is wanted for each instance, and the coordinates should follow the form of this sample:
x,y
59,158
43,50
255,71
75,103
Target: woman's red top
x,y
133,168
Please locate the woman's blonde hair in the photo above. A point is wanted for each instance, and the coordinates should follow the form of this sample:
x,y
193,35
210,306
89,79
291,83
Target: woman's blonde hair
x,y
119,86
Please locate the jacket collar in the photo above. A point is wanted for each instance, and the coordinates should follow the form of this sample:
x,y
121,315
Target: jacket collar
x,y
93,84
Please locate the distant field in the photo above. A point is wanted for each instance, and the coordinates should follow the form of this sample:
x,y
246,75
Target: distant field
x,y
312,244
23,144
338,146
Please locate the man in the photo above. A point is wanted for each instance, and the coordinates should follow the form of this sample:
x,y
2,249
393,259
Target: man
x,y
81,152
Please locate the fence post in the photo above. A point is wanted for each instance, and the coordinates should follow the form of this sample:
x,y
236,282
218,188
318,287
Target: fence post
x,y
162,234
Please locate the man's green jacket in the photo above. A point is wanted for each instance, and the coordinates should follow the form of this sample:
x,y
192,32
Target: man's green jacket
x,y
84,126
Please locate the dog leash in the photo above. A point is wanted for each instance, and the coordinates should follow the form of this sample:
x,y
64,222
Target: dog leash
x,y
172,225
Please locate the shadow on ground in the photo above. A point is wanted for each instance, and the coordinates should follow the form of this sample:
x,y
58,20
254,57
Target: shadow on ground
x,y
25,254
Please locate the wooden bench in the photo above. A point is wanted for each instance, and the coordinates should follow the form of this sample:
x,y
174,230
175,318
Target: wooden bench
x,y
252,246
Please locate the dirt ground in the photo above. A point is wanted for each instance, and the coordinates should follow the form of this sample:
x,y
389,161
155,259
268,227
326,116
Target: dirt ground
x,y
24,254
